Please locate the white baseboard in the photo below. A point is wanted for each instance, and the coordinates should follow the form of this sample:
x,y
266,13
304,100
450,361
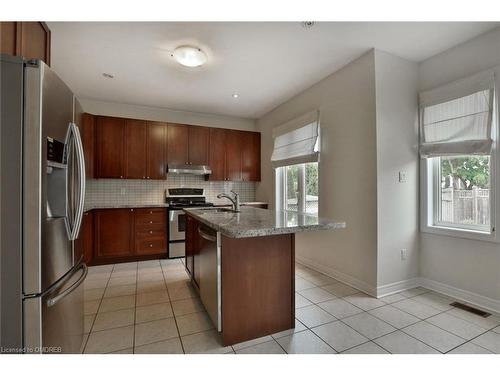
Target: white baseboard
x,y
337,275
485,303
475,299
396,287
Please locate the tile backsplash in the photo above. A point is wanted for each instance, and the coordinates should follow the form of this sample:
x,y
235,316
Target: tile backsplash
x,y
103,192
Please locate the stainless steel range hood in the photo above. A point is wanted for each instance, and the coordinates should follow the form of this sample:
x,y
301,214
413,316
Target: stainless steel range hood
x,y
189,169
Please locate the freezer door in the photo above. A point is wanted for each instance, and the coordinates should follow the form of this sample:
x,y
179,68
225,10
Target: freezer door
x,y
48,188
54,321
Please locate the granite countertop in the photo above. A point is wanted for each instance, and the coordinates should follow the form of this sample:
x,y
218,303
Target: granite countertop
x,y
229,204
157,205
257,222
138,205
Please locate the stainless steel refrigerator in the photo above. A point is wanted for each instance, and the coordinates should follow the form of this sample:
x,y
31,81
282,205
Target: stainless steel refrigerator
x,y
42,199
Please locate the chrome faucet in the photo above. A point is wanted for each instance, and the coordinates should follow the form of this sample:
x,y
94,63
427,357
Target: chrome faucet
x,y
235,201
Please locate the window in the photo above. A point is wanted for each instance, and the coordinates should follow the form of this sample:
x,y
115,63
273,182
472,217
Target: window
x,y
295,157
298,188
456,147
462,196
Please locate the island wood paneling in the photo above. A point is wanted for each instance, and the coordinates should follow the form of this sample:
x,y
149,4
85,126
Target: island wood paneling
x,y
258,287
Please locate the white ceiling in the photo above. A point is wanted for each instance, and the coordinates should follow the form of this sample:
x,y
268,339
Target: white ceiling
x,y
266,63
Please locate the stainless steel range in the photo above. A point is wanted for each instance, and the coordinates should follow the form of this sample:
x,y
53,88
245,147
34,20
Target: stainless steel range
x,y
177,199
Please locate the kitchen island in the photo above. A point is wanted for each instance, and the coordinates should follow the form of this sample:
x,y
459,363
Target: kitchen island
x,y
243,266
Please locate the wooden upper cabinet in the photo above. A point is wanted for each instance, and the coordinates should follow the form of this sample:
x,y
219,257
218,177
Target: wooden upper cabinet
x,y
135,149
250,156
157,141
110,134
114,232
198,145
8,35
217,154
178,144
35,41
233,155
88,141
138,149
28,39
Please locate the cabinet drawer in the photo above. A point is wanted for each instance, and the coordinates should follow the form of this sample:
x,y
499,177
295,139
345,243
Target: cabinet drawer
x,y
147,227
156,218
149,211
155,231
145,245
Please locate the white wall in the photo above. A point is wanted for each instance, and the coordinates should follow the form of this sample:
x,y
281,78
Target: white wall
x,y
164,114
397,150
467,267
347,170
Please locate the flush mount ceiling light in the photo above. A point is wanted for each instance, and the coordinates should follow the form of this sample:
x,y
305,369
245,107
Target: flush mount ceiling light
x,y
107,75
189,56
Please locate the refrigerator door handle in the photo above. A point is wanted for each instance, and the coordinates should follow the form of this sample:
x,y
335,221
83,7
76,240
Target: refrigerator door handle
x,y
73,224
76,284
81,181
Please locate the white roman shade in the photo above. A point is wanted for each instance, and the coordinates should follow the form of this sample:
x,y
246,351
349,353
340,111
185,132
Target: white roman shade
x,y
456,119
296,141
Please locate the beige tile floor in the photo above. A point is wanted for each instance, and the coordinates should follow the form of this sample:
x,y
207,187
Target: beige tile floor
x,y
150,307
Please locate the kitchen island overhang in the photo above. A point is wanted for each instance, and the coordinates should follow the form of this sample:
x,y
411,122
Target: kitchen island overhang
x,y
243,266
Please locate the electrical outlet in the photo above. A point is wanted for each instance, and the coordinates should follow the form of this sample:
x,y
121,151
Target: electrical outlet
x,y
404,254
123,191
403,176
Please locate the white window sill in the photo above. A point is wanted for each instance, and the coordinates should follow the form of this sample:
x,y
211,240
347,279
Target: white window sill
x,y
460,233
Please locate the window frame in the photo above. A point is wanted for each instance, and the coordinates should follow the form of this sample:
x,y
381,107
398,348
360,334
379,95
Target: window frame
x,y
429,191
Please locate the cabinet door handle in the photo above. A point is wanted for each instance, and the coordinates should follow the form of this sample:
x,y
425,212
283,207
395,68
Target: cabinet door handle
x,y
150,245
151,222
150,232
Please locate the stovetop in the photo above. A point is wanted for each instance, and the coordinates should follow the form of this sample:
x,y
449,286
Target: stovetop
x,y
188,203
186,197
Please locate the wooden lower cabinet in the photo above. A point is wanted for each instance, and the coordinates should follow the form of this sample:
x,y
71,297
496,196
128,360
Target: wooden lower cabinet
x,y
113,233
84,244
87,237
129,234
